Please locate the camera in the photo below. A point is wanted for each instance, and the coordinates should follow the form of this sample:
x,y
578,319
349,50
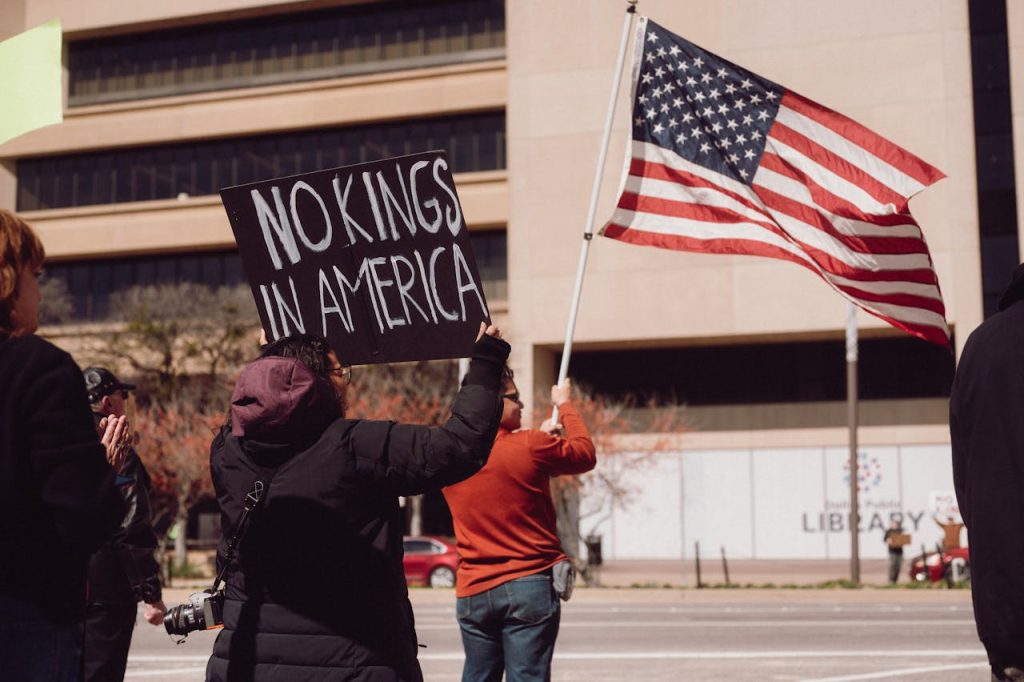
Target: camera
x,y
203,611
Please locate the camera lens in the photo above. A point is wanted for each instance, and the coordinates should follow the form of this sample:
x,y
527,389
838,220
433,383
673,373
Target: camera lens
x,y
183,619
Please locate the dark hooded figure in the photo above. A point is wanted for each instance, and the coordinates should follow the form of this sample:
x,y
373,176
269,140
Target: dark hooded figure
x,y
317,591
986,423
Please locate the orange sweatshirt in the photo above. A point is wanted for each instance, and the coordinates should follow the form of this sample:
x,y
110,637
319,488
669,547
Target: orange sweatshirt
x,y
504,517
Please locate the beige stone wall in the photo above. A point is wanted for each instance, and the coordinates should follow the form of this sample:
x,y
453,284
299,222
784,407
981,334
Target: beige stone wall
x,y
197,223
901,67
104,17
251,111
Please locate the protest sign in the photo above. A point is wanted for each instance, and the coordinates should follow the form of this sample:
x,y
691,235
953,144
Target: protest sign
x,y
375,257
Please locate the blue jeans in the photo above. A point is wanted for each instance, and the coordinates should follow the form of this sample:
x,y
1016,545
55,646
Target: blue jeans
x,y
510,628
32,647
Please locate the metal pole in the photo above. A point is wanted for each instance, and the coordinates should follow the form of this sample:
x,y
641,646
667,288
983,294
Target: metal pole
x,y
696,555
725,567
851,420
588,234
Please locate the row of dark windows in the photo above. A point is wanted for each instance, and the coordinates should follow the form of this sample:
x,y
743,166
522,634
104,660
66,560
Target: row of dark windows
x,y
91,284
474,142
285,48
993,141
793,372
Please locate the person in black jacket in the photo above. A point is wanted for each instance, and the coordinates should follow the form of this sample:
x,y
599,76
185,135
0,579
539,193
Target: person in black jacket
x,y
125,570
318,591
987,431
58,501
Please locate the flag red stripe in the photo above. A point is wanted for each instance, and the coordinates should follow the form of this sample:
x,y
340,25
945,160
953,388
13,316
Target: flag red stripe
x,y
826,199
891,153
927,332
658,171
866,244
643,203
908,300
838,165
734,247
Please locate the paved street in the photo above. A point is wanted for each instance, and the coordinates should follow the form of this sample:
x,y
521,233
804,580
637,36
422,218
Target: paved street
x,y
646,634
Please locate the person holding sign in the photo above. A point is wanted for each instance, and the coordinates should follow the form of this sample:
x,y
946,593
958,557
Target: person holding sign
x,y
318,590
950,531
513,569
894,539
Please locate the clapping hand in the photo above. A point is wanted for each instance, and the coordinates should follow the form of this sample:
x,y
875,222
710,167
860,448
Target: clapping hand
x,y
116,436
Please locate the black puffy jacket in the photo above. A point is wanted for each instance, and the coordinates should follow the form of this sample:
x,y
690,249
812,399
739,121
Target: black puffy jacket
x,y
318,591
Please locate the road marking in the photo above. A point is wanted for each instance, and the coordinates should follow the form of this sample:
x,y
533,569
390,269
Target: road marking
x,y
727,624
726,655
588,608
626,655
171,671
899,673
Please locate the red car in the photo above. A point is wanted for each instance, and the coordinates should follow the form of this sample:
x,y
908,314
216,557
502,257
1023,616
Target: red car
x,y
430,561
952,565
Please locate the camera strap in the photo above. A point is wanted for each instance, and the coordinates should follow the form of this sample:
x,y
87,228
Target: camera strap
x,y
252,500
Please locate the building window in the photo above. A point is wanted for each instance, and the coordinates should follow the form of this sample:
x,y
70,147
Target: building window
x,y
474,142
889,368
285,48
490,251
90,284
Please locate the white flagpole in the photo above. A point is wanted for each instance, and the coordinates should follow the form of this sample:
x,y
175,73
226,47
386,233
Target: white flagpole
x,y
588,234
851,418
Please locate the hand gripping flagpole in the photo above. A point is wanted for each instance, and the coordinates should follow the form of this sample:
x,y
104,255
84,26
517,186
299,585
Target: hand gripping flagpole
x,y
588,234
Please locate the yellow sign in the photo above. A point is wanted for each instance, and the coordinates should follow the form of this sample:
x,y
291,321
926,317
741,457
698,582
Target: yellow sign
x,y
30,81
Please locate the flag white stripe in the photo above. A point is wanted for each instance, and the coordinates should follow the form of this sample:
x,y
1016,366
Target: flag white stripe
x,y
701,196
812,235
887,174
777,182
909,315
890,287
837,185
815,238
699,229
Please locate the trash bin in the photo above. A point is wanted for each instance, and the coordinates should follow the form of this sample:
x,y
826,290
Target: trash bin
x,y
593,543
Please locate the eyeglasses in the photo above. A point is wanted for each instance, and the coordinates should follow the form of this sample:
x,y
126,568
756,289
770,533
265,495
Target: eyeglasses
x,y
514,397
124,395
343,371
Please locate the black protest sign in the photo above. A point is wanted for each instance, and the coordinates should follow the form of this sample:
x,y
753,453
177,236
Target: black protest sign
x,y
376,257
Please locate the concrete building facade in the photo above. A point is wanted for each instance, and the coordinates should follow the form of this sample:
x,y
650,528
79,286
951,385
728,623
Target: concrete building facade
x,y
167,102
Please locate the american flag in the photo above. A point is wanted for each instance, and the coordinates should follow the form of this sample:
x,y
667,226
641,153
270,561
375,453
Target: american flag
x,y
724,161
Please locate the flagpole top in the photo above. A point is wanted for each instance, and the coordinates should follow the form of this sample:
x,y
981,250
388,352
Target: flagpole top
x,y
632,6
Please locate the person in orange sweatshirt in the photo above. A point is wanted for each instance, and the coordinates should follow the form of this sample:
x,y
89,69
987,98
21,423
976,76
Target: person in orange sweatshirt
x,y
512,562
